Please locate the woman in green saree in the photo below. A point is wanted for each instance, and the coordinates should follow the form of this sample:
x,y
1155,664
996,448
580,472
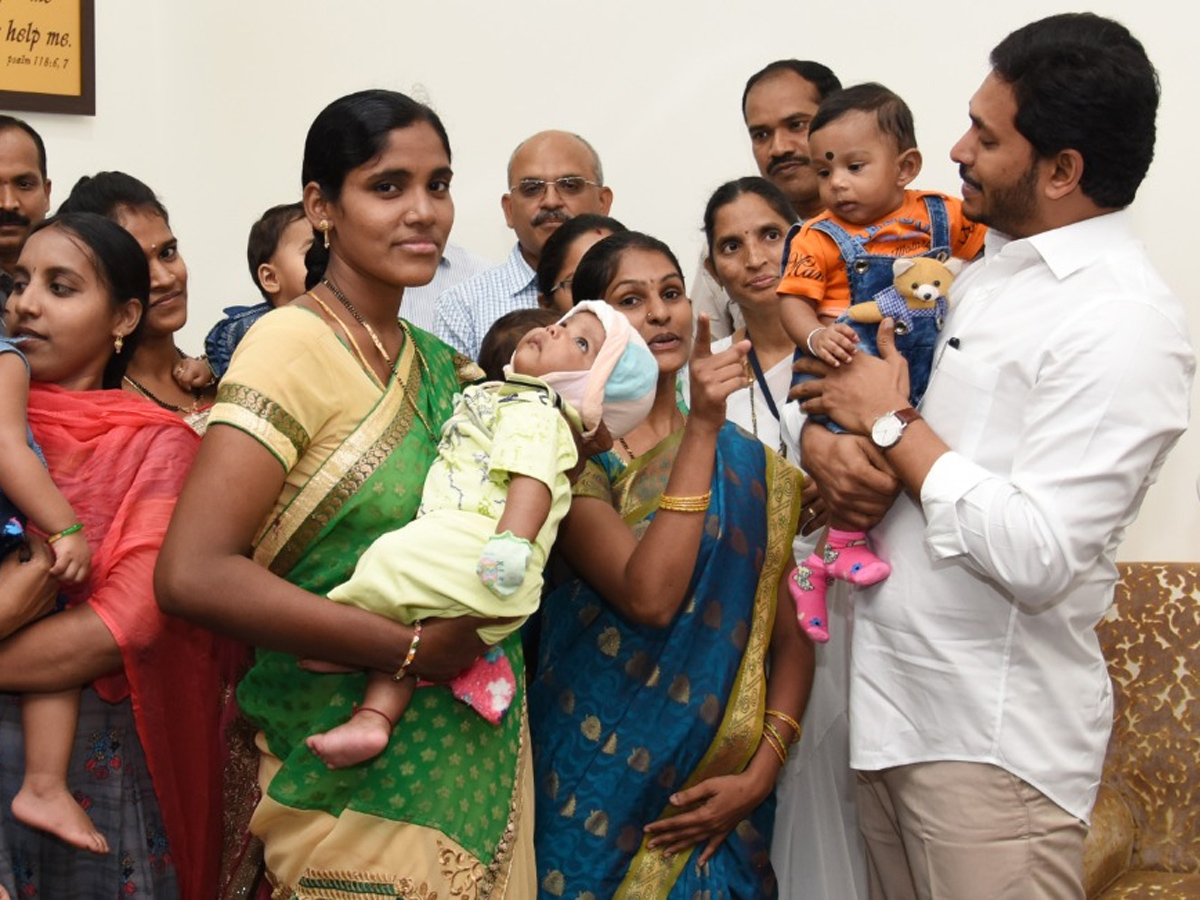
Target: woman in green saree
x,y
323,430
658,735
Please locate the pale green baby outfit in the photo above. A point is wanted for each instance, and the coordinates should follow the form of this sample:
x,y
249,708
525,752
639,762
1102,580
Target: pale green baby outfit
x,y
427,568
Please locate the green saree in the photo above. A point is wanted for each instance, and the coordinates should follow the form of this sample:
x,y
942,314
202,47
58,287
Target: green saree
x,y
441,810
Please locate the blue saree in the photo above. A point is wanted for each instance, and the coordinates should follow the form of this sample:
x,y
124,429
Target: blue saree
x,y
624,715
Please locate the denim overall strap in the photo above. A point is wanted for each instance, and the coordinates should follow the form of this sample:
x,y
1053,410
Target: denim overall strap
x,y
787,247
866,273
939,227
848,248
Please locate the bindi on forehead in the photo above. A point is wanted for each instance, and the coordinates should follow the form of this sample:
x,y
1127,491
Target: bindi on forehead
x,y
829,155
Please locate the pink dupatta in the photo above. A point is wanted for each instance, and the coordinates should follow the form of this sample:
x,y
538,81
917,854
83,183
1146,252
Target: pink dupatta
x,y
121,462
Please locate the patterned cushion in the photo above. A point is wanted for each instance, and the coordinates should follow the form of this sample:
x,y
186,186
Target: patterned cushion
x,y
1151,639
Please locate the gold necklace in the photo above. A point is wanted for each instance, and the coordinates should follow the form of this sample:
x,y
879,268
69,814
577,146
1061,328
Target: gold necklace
x,y
345,301
421,364
362,359
754,423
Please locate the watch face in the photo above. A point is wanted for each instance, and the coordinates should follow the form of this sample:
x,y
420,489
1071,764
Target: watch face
x,y
886,430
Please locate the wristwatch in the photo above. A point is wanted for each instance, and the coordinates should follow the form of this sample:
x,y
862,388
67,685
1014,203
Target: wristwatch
x,y
889,428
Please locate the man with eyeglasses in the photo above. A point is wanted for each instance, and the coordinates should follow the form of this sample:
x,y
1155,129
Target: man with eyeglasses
x,y
552,177
777,104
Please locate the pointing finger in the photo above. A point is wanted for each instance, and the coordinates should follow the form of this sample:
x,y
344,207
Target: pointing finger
x,y
703,345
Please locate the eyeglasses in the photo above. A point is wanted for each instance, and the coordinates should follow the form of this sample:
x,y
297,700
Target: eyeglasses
x,y
565,284
567,186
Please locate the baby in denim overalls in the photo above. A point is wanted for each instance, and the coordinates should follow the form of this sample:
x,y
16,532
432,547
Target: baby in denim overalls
x,y
864,148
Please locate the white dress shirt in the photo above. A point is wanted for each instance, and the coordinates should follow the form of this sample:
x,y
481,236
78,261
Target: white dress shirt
x,y
466,311
457,264
1062,380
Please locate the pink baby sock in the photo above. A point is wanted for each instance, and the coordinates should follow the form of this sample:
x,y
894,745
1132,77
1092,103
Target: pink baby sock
x,y
808,585
848,558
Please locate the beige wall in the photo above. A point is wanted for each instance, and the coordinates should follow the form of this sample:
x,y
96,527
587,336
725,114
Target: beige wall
x,y
209,102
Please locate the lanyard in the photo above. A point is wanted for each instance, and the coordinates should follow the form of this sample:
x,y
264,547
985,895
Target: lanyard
x,y
762,384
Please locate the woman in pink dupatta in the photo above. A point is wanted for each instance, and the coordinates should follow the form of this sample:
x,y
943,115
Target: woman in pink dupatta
x,y
146,762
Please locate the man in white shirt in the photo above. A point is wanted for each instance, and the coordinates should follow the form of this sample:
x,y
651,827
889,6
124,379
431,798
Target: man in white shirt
x,y
980,702
552,177
777,104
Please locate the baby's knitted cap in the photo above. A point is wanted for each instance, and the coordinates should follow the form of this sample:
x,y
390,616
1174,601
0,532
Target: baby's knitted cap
x,y
619,387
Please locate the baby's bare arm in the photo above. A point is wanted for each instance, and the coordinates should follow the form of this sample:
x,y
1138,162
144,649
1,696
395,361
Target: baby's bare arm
x,y
526,509
23,478
799,317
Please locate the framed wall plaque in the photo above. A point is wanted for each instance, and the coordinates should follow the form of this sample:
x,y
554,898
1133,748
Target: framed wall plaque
x,y
48,56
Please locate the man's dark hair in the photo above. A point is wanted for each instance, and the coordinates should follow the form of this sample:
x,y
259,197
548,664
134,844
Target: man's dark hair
x,y
13,122
265,235
1083,82
892,114
819,76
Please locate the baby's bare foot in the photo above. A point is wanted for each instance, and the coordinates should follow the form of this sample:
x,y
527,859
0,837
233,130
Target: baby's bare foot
x,y
362,738
51,808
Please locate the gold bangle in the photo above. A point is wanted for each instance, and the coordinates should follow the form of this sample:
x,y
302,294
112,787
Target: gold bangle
x,y
774,732
698,503
787,720
780,751
412,653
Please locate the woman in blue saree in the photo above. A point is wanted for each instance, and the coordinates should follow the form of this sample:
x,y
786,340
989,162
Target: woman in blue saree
x,y
657,734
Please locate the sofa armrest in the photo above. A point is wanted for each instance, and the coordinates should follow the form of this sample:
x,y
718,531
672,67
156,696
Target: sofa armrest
x,y
1109,846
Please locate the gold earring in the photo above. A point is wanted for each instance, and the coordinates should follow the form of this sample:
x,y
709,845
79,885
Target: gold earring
x,y
324,229
118,343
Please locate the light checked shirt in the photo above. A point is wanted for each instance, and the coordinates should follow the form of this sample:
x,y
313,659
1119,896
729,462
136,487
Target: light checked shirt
x,y
466,311
457,264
